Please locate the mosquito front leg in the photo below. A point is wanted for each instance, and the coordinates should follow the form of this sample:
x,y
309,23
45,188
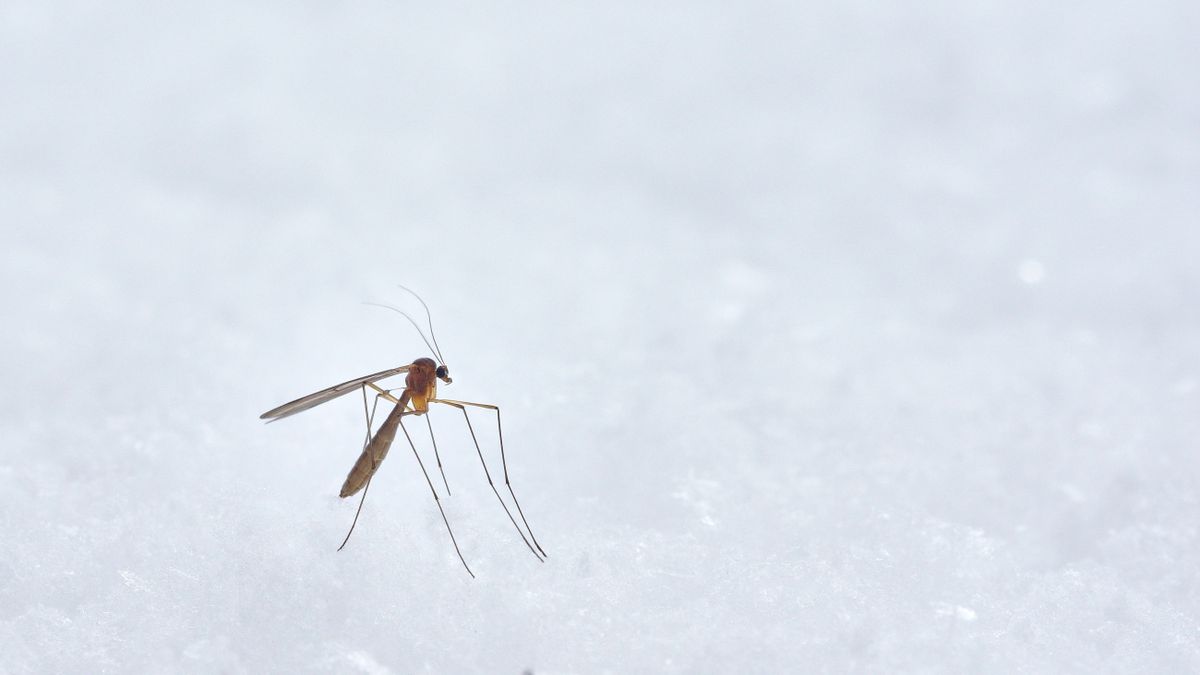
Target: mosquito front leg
x,y
488,474
503,462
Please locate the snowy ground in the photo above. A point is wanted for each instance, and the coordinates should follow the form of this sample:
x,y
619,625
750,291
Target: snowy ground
x,y
841,337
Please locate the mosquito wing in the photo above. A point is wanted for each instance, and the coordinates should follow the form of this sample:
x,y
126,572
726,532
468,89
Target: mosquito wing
x,y
315,399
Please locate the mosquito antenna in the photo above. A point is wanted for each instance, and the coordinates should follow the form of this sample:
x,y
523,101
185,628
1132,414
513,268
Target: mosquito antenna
x,y
428,318
414,323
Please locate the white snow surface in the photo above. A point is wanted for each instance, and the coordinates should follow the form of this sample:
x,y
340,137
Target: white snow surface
x,y
830,337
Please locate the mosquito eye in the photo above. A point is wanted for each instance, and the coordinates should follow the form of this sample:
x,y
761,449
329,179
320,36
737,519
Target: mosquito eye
x,y
442,371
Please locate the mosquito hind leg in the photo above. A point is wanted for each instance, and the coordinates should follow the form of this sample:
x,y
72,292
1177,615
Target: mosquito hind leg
x,y
503,462
356,513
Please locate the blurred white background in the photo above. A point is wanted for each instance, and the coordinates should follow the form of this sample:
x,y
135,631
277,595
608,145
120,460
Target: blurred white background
x,y
829,337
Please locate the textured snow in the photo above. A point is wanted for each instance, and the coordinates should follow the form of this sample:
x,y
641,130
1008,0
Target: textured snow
x,y
829,337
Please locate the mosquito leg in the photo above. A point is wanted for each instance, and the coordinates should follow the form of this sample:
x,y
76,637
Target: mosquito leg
x,y
370,417
355,522
436,455
491,484
504,463
435,498
389,395
385,393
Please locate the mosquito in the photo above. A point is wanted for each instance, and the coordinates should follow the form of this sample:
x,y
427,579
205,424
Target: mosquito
x,y
420,389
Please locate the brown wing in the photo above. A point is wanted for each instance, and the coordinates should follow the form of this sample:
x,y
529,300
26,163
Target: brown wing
x,y
305,402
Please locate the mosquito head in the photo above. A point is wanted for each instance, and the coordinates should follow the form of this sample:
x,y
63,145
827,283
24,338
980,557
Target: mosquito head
x,y
443,374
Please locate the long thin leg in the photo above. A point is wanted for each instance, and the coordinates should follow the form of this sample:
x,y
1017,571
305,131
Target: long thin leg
x,y
355,522
385,393
435,453
370,417
435,498
504,462
491,484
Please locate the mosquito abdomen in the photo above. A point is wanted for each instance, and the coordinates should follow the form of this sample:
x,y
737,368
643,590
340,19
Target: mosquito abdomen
x,y
372,455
